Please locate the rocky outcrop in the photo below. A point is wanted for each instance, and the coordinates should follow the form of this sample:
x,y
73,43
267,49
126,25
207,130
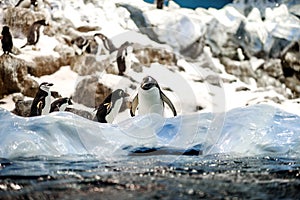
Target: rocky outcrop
x,y
90,92
20,19
14,77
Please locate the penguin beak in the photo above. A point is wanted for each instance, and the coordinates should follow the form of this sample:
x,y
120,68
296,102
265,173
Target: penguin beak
x,y
50,84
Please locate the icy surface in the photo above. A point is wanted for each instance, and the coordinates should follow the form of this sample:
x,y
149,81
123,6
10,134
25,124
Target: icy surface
x,y
249,131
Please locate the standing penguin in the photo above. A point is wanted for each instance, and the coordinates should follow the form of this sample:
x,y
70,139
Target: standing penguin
x,y
42,101
150,99
107,43
109,108
6,40
124,58
33,34
60,104
27,3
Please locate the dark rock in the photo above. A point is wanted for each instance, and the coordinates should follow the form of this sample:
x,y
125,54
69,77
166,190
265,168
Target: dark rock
x,y
273,68
45,65
22,108
82,113
90,92
241,69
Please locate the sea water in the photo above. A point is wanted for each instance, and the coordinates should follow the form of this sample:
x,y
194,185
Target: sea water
x,y
45,152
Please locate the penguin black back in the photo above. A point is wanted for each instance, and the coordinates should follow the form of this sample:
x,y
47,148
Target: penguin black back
x,y
33,34
7,43
106,107
107,43
121,55
57,104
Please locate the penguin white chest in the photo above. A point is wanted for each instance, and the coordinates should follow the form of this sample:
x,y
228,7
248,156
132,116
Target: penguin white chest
x,y
63,107
46,109
150,101
114,111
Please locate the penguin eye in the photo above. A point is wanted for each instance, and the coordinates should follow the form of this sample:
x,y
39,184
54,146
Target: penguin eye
x,y
121,93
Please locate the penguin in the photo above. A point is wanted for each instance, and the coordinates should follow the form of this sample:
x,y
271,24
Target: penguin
x,y
150,99
6,40
33,34
27,3
81,44
107,43
60,104
109,108
42,101
159,4
124,58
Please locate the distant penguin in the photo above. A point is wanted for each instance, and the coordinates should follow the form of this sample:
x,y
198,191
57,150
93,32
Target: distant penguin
x,y
42,101
60,104
81,44
109,108
124,58
150,99
107,43
7,43
33,34
27,3
159,4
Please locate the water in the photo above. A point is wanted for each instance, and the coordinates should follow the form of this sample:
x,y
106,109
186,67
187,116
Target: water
x,y
199,3
250,152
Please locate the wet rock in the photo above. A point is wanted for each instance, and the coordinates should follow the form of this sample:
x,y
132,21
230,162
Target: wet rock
x,y
14,76
90,92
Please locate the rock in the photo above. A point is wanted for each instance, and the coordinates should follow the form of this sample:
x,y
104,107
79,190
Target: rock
x,y
82,113
46,65
241,69
22,108
20,19
14,77
17,97
273,68
87,64
293,60
90,92
148,54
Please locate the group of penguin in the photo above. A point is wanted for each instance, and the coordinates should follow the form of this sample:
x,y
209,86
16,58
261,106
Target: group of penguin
x,y
149,99
33,36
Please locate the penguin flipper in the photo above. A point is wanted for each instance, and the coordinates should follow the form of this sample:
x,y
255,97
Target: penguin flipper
x,y
134,105
168,101
23,46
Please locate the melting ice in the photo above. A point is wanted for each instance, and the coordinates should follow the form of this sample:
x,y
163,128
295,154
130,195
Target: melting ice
x,y
248,131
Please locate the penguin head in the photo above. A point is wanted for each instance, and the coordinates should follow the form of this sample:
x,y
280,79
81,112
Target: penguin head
x,y
34,3
45,86
118,94
42,22
5,30
148,83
